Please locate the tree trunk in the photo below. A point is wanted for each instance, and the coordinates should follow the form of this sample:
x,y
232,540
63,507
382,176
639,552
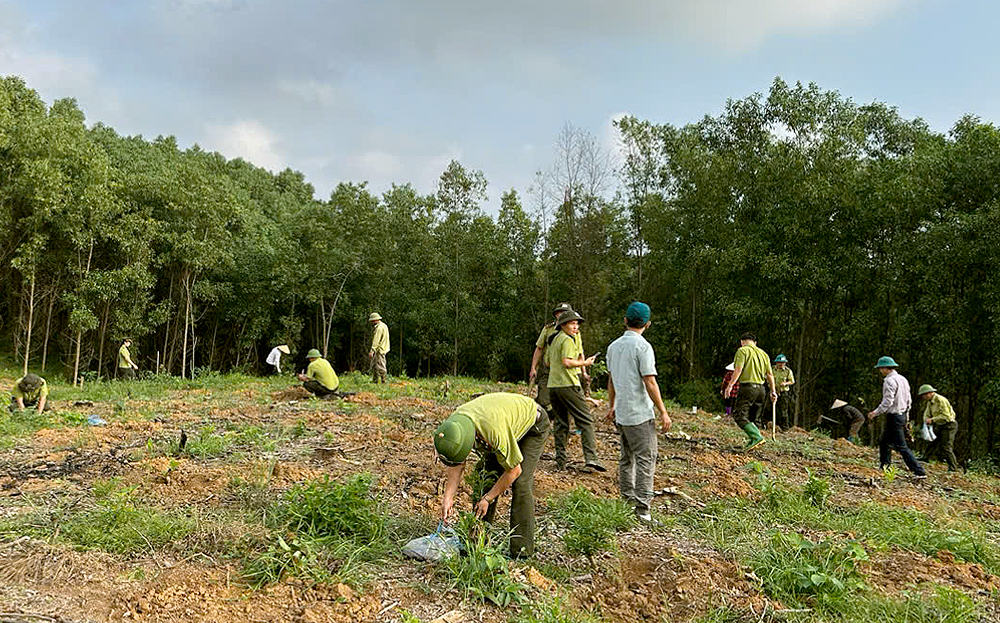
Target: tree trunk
x,y
103,335
798,363
48,325
76,359
694,311
187,316
31,315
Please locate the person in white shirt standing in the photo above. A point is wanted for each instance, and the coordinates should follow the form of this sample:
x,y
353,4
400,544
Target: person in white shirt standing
x,y
274,358
632,394
896,401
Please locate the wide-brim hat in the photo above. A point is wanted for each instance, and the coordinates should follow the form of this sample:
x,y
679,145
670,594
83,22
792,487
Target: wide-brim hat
x,y
30,382
374,316
838,404
313,353
781,359
561,307
284,348
568,316
731,367
453,439
886,362
926,389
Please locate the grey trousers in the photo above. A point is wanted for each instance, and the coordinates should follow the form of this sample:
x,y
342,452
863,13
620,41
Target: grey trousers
x,y
378,368
637,464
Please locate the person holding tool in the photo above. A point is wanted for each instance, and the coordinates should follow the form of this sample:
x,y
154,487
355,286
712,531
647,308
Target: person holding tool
x,y
380,346
856,419
751,366
632,394
565,361
508,432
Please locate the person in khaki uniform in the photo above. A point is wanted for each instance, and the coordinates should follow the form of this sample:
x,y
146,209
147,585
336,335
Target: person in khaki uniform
x,y
539,363
783,381
565,361
939,412
126,367
508,432
751,366
380,346
319,379
30,390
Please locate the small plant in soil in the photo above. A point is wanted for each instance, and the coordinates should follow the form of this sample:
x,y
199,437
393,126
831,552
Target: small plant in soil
x,y
591,521
482,571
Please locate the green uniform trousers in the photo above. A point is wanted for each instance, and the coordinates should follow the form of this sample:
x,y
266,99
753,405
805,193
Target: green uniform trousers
x,y
749,404
566,402
944,445
542,380
522,501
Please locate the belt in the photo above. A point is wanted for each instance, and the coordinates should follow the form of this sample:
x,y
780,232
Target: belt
x,y
751,384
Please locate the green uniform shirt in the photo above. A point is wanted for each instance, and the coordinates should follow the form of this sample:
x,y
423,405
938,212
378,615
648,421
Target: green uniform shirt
x,y
780,376
380,339
753,362
501,420
123,357
35,396
939,410
321,370
543,342
563,347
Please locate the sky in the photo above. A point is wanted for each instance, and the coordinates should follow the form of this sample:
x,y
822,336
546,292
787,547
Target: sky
x,y
390,91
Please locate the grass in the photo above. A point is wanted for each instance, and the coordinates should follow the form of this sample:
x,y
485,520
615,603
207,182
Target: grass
x,y
482,571
591,522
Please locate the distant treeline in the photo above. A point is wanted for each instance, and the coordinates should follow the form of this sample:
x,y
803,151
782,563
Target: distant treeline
x,y
838,232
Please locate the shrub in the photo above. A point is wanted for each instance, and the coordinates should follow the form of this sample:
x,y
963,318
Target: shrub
x,y
816,490
301,557
591,521
327,508
795,569
702,392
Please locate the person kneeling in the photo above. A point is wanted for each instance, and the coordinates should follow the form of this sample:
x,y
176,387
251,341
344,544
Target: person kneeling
x,y
319,379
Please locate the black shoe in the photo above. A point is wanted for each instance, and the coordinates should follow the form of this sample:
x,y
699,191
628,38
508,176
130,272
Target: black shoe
x,y
596,466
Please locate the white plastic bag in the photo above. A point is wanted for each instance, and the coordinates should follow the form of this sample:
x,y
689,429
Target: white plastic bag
x,y
442,544
927,432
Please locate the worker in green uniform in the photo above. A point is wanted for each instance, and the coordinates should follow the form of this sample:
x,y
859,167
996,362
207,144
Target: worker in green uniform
x,y
380,346
539,372
783,381
751,366
319,379
939,412
565,361
126,367
508,432
30,390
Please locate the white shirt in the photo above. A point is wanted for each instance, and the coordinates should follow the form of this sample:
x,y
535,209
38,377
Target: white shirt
x,y
895,394
274,358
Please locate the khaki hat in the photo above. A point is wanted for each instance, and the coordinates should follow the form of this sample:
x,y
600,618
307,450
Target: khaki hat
x,y
454,438
838,404
374,316
284,348
731,367
568,316
926,389
30,382
313,353
560,308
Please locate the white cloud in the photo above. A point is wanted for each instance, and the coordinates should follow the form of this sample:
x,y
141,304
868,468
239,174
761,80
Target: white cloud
x,y
248,139
380,165
323,94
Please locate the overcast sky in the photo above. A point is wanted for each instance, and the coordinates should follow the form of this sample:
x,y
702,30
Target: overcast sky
x,y
392,90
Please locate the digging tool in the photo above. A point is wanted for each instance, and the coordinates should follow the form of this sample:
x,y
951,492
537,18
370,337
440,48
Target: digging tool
x,y
774,420
531,386
830,419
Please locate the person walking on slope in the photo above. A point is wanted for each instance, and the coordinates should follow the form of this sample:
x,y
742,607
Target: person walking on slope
x,y
729,399
565,361
539,363
783,381
857,419
380,346
273,360
508,432
895,405
938,411
751,366
632,394
126,367
319,379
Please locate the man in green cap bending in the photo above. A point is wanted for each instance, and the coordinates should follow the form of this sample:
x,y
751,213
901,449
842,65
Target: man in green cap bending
x,y
938,411
30,390
751,366
319,379
508,432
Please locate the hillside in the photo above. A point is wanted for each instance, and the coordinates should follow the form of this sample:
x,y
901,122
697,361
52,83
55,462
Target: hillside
x,y
114,522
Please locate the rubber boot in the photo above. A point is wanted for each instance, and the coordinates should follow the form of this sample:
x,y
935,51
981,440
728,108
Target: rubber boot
x,y
754,437
853,440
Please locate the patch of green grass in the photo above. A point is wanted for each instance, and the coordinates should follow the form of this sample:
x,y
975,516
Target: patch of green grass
x,y
591,522
328,508
552,610
482,571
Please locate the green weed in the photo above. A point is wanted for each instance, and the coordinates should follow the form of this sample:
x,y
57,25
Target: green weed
x,y
816,490
797,570
327,508
553,610
483,571
302,557
591,521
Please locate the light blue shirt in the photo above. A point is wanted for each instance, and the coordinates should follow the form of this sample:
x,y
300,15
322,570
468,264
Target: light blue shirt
x,y
630,358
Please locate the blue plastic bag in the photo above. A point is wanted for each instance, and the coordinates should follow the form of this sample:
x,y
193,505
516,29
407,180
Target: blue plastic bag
x,y
442,544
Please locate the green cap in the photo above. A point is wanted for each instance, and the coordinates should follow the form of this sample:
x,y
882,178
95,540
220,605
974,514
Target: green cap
x,y
886,362
313,353
781,359
453,439
926,389
30,382
560,308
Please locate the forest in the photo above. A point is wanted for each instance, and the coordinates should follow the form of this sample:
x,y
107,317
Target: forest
x,y
837,231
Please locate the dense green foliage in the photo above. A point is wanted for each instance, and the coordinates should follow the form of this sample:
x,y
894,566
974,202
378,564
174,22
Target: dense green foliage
x,y
838,232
